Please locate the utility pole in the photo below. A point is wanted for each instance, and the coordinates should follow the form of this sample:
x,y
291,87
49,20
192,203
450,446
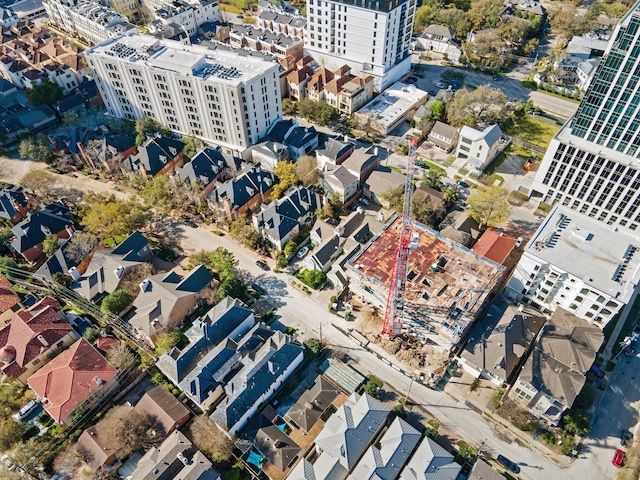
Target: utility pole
x,y
321,331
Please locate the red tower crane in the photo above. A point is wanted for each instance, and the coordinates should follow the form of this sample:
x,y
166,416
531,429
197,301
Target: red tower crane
x,y
395,300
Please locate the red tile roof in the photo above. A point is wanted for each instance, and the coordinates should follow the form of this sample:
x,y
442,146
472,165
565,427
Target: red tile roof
x,y
70,379
494,245
32,332
8,298
104,344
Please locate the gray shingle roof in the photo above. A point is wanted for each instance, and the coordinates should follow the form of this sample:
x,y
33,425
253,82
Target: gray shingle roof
x,y
313,403
33,230
431,462
384,460
350,430
175,458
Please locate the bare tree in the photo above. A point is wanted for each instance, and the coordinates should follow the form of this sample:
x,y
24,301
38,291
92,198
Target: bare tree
x,y
307,170
132,278
131,430
68,459
121,356
210,439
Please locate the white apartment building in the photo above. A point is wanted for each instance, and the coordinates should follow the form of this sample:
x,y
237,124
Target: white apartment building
x,y
188,14
577,263
228,97
371,36
593,164
87,20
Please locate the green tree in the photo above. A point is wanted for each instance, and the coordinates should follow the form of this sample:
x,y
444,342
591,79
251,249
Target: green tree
x,y
327,211
147,126
166,341
395,197
36,147
90,334
371,389
454,19
315,278
223,262
449,195
281,260
489,206
488,50
567,21
576,422
423,18
62,279
10,433
192,145
484,13
290,248
399,411
242,231
437,110
107,216
421,209
314,346
484,104
289,107
431,178
286,173
116,302
231,286
47,93
50,245
6,263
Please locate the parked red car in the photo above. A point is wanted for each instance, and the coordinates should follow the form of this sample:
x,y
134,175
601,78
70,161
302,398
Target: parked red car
x,y
618,458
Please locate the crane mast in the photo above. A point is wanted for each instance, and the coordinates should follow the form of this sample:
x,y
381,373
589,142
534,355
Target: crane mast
x,y
395,300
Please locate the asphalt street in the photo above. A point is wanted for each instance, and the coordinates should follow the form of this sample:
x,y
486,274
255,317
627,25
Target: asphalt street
x,y
511,85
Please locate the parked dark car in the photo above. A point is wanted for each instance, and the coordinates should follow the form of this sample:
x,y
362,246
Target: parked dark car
x,y
596,371
191,224
509,464
258,289
625,436
262,265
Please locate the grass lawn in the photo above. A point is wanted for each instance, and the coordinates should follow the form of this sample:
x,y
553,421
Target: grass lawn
x,y
229,8
628,325
432,166
113,241
533,130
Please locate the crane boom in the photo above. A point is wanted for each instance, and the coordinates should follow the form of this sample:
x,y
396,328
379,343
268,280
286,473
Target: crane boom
x,y
393,314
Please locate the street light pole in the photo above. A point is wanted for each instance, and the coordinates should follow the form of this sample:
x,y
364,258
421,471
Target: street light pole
x,y
406,397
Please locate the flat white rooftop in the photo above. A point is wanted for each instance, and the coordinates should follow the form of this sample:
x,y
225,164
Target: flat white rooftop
x,y
393,103
601,255
201,61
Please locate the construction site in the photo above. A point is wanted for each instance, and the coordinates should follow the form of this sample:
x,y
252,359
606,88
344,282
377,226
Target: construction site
x,y
446,288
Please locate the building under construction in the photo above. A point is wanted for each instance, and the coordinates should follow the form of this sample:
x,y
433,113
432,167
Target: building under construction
x,y
447,284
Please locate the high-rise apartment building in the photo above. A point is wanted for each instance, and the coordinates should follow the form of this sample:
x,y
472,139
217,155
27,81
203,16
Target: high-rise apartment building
x,y
592,165
228,97
371,36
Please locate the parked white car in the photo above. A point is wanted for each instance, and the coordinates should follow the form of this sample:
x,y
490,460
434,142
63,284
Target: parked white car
x,y
302,252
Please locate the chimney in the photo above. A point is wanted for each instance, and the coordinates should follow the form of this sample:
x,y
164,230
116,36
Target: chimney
x,y
375,151
98,380
42,340
273,366
183,459
75,274
144,284
119,271
521,308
